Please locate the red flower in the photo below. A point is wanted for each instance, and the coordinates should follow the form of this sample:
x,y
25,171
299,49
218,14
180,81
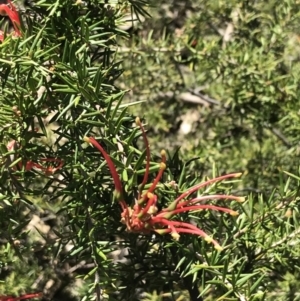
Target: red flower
x,y
27,296
10,10
47,170
144,216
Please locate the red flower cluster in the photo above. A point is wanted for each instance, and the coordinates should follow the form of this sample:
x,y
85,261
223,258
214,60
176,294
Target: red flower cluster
x,y
29,165
10,10
144,216
27,296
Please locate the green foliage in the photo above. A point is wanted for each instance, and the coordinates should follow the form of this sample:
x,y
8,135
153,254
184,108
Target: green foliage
x,y
218,83
242,59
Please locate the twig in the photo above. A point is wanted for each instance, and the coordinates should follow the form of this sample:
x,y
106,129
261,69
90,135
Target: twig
x,y
279,135
205,97
81,265
288,237
213,101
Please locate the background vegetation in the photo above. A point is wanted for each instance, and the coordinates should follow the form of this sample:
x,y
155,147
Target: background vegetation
x,y
217,83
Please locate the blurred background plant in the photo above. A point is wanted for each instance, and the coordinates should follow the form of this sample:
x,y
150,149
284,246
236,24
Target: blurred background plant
x,y
217,82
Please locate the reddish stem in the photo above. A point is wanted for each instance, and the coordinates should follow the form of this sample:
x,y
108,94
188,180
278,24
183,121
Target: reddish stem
x,y
210,197
185,228
27,296
151,201
160,173
146,142
206,183
199,233
161,220
112,168
197,207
